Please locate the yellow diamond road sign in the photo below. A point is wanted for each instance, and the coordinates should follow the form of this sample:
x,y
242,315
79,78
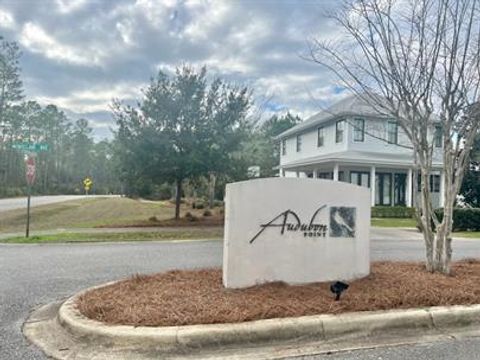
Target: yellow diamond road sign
x,y
87,183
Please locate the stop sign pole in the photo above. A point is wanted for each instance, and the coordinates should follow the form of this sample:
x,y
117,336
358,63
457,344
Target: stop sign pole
x,y
30,176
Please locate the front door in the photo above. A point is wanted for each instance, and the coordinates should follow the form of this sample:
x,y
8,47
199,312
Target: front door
x,y
383,189
399,189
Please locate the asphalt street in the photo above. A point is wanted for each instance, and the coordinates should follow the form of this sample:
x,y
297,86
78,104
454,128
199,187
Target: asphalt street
x,y
33,275
21,202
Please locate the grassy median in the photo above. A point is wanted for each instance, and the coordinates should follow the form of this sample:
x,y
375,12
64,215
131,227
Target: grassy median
x,y
181,234
85,213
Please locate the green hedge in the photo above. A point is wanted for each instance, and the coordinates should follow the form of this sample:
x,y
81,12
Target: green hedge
x,y
392,212
12,192
463,219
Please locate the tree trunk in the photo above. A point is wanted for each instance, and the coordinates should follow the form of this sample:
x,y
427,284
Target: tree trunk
x,y
444,229
178,198
426,222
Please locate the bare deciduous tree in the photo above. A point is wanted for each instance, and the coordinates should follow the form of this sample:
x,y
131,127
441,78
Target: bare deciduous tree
x,y
416,61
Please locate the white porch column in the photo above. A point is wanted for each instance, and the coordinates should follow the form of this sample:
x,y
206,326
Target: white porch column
x,y
282,172
315,173
442,188
372,184
335,172
408,189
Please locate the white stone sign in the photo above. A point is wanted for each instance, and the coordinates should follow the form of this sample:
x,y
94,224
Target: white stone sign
x,y
296,230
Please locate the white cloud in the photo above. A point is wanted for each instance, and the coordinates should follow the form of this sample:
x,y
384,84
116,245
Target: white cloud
x,y
206,17
96,98
6,20
68,6
126,30
156,12
35,39
92,51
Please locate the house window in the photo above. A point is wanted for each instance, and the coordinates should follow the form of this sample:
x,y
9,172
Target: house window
x,y
399,189
325,175
284,147
383,189
339,131
299,143
435,183
358,130
320,137
392,132
360,178
437,138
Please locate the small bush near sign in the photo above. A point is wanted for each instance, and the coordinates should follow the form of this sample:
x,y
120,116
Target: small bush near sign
x,y
393,212
463,219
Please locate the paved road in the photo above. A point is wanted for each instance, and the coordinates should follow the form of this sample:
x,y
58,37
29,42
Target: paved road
x,y
32,275
21,202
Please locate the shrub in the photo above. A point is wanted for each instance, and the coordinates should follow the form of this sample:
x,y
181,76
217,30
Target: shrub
x,y
199,205
393,212
12,192
217,203
463,219
207,213
153,219
190,217
162,192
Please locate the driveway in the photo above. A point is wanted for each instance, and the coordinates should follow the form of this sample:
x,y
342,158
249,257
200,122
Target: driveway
x,y
33,275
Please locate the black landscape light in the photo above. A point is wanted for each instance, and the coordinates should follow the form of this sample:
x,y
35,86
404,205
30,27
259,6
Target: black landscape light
x,y
338,288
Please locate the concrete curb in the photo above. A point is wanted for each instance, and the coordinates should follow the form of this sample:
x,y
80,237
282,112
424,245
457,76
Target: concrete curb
x,y
263,332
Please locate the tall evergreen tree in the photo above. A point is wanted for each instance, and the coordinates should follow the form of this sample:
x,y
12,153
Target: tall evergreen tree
x,y
183,128
261,149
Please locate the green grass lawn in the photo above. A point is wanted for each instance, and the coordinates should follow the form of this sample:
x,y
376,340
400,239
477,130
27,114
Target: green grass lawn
x,y
393,222
197,233
467,234
85,213
411,223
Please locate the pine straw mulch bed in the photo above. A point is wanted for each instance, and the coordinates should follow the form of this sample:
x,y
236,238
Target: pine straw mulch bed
x,y
198,297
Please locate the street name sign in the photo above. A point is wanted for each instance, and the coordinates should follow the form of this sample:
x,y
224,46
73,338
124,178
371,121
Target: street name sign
x,y
31,147
296,230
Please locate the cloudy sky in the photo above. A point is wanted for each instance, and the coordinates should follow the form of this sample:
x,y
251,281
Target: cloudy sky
x,y
79,54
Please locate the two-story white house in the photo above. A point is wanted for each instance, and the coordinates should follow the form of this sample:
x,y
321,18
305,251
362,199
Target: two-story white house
x,y
352,142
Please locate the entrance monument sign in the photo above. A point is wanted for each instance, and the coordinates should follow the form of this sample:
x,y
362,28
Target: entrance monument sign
x,y
295,230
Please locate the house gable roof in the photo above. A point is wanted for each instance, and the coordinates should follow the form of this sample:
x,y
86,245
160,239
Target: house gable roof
x,y
352,105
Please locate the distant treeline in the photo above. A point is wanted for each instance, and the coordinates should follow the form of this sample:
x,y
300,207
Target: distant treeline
x,y
189,136
72,155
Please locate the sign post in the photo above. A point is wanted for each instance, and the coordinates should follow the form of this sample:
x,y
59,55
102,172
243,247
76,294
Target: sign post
x,y
30,176
30,149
